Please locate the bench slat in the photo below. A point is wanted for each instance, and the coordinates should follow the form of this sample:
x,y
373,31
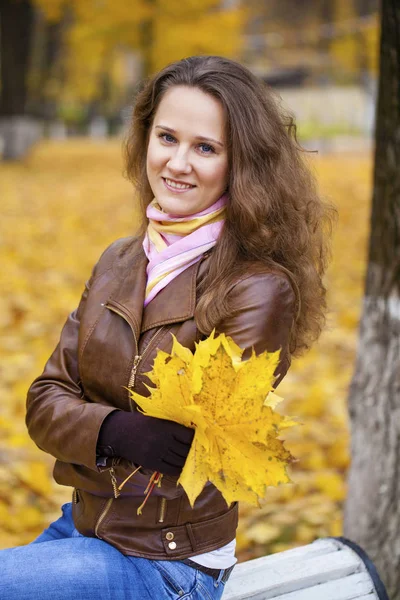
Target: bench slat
x,y
270,581
317,548
349,588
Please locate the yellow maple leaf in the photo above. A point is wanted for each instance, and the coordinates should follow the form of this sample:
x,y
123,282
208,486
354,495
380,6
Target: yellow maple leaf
x,y
230,405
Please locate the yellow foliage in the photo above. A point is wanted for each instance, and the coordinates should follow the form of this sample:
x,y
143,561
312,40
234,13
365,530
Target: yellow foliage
x,y
35,476
352,50
263,532
177,33
52,9
228,404
332,484
101,35
60,208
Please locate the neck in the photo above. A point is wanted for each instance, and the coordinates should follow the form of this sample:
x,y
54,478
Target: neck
x,y
217,205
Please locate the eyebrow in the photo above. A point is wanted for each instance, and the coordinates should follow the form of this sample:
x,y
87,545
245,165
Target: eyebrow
x,y
198,137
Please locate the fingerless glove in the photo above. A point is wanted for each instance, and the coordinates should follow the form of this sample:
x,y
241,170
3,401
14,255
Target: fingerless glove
x,y
147,441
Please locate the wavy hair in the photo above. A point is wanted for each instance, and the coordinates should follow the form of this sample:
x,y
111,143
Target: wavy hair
x,y
274,215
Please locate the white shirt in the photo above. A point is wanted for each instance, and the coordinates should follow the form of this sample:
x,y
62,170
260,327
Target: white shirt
x,y
222,558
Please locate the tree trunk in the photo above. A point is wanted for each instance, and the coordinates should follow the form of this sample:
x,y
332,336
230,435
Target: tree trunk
x,y
16,23
45,67
372,512
18,130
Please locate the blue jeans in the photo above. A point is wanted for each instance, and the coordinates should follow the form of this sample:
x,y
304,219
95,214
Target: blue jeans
x,y
62,564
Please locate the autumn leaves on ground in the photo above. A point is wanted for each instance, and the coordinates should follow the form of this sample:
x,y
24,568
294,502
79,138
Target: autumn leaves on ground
x,y
59,209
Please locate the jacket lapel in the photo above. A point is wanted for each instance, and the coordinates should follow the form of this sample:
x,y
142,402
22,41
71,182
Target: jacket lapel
x,y
175,302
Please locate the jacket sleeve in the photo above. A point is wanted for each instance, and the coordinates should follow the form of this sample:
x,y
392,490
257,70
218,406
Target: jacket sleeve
x,y
60,420
263,312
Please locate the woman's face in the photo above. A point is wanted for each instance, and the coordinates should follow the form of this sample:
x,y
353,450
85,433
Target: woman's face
x,y
187,158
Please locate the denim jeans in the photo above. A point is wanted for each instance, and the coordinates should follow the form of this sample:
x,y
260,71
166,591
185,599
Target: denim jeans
x,y
62,564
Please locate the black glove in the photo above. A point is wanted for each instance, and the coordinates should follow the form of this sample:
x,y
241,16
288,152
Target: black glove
x,y
152,443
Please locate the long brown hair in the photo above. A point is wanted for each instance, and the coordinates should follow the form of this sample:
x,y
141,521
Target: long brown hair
x,y
274,215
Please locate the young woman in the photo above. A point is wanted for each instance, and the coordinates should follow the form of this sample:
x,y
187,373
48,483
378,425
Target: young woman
x,y
234,236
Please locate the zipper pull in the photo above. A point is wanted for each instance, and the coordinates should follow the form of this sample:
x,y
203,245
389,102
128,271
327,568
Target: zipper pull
x,y
163,507
136,361
155,480
114,483
127,479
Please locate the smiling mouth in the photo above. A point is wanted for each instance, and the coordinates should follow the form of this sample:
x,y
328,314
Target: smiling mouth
x,y
176,185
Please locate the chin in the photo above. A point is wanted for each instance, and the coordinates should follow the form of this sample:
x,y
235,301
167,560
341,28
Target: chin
x,y
175,208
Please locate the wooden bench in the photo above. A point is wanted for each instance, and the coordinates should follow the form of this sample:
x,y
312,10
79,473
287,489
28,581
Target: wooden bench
x,y
327,569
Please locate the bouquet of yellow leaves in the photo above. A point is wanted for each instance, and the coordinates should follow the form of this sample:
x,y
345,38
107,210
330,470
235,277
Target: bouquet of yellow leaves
x,y
230,405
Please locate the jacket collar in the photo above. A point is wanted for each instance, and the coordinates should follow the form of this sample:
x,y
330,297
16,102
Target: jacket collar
x,y
175,302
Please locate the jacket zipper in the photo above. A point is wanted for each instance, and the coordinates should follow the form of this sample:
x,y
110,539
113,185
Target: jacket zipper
x,y
131,382
138,357
102,517
110,500
114,483
163,508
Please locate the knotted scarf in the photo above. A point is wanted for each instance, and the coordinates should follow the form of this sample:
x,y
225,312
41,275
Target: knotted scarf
x,y
173,243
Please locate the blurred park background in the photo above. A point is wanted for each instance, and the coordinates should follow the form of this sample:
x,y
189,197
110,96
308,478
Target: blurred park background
x,y
69,71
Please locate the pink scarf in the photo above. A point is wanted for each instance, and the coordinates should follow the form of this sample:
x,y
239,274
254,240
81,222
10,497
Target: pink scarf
x,y
173,243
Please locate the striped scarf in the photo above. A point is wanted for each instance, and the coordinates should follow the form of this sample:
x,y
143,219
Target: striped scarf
x,y
172,243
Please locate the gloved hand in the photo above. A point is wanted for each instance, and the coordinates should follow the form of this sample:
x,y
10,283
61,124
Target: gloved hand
x,y
152,443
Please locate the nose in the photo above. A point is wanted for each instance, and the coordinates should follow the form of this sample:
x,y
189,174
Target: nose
x,y
179,162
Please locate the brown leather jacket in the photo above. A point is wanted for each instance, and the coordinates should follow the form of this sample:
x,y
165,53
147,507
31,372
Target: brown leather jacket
x,y
106,345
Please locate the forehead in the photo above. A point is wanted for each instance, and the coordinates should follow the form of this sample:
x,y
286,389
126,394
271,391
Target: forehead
x,y
192,111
